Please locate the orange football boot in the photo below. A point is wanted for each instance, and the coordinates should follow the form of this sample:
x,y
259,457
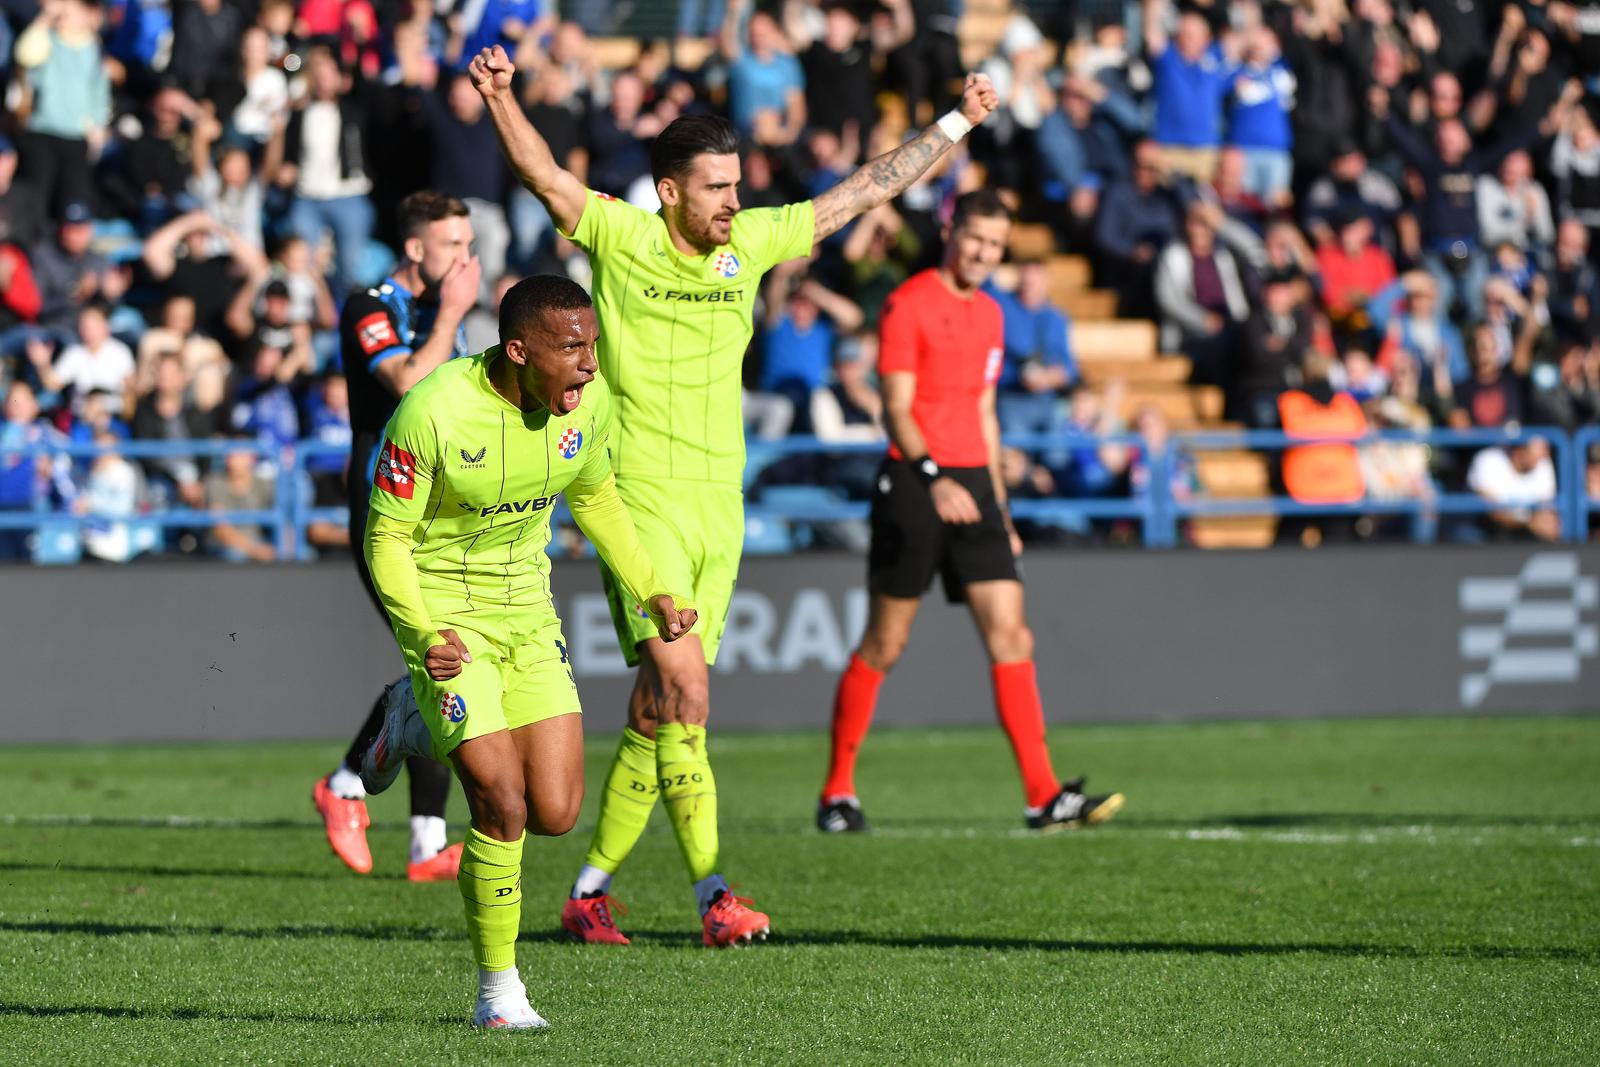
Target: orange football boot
x,y
346,822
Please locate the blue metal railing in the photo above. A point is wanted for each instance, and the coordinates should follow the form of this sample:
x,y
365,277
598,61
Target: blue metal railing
x,y
1158,511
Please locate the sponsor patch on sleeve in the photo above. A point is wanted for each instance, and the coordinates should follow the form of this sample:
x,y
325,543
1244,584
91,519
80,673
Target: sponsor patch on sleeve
x,y
991,369
396,473
376,333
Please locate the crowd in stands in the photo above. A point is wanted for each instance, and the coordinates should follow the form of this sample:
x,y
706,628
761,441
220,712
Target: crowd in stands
x,y
1387,211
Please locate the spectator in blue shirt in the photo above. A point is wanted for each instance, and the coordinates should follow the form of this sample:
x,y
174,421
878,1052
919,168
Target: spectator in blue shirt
x,y
27,482
766,87
1081,144
1192,78
265,406
1259,103
799,339
1038,367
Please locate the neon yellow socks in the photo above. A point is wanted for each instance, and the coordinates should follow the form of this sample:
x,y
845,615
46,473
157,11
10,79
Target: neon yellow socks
x,y
690,793
491,888
626,803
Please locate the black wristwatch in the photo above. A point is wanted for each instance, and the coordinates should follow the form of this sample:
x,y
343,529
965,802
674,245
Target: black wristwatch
x,y
925,468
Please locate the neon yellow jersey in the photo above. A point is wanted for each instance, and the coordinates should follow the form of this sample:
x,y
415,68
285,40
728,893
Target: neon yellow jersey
x,y
476,478
674,329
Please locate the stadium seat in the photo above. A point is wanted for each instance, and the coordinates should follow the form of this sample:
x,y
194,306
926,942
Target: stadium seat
x,y
765,535
57,542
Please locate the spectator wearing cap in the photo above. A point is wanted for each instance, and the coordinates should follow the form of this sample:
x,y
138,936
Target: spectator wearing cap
x,y
1038,369
1192,78
1513,208
1201,295
68,271
1138,217
22,208
1260,100
1273,345
324,160
766,85
1350,184
71,98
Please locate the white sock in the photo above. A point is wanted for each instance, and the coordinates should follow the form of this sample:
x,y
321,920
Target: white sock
x,y
427,837
495,984
591,879
347,784
707,888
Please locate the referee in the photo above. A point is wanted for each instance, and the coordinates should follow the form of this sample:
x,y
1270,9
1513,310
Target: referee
x,y
940,508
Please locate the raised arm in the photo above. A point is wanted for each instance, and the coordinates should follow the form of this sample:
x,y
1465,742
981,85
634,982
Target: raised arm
x,y
558,189
882,179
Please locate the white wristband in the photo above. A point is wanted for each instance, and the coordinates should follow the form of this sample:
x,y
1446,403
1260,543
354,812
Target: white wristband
x,y
954,125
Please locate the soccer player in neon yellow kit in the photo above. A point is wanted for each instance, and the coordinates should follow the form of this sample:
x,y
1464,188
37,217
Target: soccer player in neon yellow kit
x,y
675,293
472,462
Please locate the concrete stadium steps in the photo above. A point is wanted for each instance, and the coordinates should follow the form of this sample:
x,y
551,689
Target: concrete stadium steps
x,y
1035,240
1086,303
983,22
1161,370
1234,531
619,53
1233,474
1124,339
1186,407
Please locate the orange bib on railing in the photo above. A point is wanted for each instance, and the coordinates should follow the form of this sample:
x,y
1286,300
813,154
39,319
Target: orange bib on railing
x,y
1322,473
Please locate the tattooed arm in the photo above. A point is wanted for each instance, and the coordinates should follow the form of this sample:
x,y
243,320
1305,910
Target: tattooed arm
x,y
882,179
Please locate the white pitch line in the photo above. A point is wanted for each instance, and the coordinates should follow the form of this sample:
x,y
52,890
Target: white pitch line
x,y
1421,834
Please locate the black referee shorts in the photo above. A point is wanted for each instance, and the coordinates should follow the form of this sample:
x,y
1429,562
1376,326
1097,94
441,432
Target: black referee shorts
x,y
910,543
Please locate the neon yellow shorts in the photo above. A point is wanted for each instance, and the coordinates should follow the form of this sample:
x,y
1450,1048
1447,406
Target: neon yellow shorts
x,y
694,533
515,679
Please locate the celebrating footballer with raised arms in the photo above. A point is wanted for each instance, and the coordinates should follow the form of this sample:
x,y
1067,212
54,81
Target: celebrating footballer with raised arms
x,y
674,291
467,476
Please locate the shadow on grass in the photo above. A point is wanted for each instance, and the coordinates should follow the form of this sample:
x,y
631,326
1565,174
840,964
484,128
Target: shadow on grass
x,y
102,1011
155,871
832,939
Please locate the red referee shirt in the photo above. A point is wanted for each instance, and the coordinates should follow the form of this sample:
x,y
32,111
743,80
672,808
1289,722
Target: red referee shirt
x,y
954,346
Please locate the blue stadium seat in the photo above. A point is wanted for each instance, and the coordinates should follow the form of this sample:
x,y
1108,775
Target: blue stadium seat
x,y
765,535
377,260
57,542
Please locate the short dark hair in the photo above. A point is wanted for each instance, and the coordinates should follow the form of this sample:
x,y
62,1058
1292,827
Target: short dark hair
x,y
530,298
425,206
980,203
675,148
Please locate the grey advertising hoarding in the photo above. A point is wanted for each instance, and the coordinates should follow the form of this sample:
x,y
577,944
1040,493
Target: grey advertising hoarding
x,y
216,652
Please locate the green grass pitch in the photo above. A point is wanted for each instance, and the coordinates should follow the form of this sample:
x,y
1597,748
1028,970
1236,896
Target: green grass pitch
x,y
1406,891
